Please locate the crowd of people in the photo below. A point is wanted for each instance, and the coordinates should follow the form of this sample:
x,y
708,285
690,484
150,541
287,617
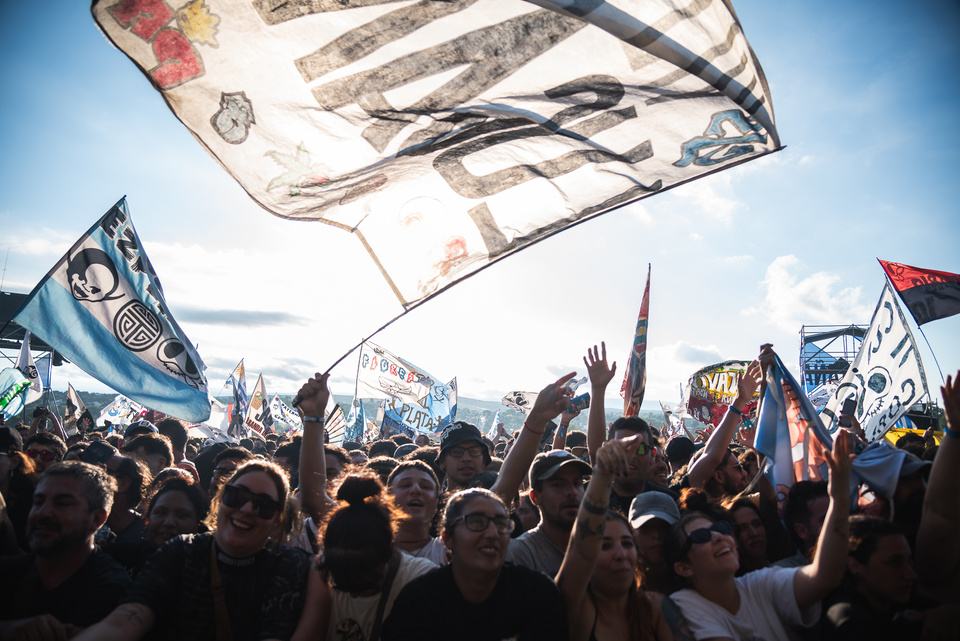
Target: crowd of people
x,y
611,534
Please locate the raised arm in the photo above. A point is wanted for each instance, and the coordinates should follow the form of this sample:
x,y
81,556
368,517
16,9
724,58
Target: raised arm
x,y
600,376
560,438
938,554
552,400
127,622
700,472
813,582
583,549
314,396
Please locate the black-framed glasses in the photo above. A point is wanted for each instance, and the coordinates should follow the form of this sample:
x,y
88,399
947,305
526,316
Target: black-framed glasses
x,y
236,496
478,522
643,449
473,450
45,456
705,534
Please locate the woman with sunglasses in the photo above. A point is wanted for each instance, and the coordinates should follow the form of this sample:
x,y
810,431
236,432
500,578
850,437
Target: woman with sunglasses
x,y
226,585
719,605
477,596
598,578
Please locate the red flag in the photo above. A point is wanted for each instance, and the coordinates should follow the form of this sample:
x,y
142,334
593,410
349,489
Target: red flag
x,y
928,294
635,378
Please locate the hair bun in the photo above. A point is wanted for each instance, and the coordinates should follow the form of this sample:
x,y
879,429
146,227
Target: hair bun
x,y
357,488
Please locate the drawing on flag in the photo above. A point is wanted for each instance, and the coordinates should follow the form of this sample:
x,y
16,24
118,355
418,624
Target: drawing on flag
x,y
29,370
285,418
886,378
712,389
102,307
12,386
520,401
673,424
448,135
257,418
929,295
381,374
635,376
74,410
356,422
122,411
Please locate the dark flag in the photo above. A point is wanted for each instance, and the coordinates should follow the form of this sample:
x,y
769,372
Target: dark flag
x,y
929,295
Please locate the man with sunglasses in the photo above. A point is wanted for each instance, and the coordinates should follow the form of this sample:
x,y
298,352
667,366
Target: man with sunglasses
x,y
45,449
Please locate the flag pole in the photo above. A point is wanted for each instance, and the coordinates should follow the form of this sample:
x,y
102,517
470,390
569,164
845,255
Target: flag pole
x,y
932,353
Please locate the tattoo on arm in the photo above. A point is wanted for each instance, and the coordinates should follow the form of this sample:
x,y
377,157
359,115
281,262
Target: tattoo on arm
x,y
131,614
585,531
594,507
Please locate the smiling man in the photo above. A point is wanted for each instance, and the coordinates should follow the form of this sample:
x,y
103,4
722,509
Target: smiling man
x,y
65,583
462,455
556,482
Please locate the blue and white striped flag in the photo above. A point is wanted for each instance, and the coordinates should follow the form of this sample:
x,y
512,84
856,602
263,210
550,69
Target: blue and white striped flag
x,y
356,421
102,307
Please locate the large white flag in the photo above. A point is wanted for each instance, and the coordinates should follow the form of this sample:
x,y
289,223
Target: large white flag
x,y
122,411
886,378
381,374
29,370
285,417
448,135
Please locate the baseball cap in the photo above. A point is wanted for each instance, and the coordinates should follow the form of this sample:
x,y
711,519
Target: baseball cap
x,y
142,426
10,439
459,433
546,464
653,505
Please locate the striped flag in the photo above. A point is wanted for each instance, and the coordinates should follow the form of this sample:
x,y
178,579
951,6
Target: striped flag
x,y
29,370
102,307
635,376
929,295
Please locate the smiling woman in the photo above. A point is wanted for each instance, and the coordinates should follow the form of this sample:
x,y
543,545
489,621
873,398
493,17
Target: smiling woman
x,y
227,583
476,595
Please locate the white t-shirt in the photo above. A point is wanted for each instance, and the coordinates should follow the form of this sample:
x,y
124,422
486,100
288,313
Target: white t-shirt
x,y
435,550
352,617
767,604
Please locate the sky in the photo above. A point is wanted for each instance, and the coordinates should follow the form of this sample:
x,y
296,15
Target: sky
x,y
864,104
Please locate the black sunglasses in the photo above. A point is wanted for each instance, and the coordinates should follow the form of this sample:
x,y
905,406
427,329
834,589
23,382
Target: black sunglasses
x,y
705,534
236,496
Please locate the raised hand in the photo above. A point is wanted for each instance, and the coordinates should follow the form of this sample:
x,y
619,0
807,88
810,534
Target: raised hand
x,y
613,456
749,382
314,395
553,399
597,369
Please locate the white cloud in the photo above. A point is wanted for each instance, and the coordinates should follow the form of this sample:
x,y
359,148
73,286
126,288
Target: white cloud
x,y
731,260
808,160
673,364
814,300
711,195
696,236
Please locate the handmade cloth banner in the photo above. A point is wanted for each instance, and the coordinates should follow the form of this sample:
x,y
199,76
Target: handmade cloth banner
x,y
29,370
415,418
381,374
928,294
635,376
673,424
711,390
886,378
122,411
790,433
448,135
285,418
257,418
442,404
102,307
520,401
12,386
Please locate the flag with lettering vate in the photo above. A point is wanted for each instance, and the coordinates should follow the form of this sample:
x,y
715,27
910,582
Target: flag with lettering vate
x,y
102,307
713,389
448,135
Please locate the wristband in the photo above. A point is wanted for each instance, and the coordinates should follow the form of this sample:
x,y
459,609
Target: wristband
x,y
540,433
736,411
314,419
951,433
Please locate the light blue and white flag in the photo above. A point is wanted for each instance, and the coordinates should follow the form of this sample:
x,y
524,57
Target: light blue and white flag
x,y
356,421
492,432
122,411
381,374
12,385
238,383
102,307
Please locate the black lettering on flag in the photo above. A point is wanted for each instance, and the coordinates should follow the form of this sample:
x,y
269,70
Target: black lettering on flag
x,y
489,54
278,11
129,247
112,220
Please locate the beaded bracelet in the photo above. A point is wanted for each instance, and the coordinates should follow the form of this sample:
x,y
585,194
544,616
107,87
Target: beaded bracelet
x,y
314,419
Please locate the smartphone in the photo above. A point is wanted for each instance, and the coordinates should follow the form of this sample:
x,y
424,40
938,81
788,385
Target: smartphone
x,y
848,408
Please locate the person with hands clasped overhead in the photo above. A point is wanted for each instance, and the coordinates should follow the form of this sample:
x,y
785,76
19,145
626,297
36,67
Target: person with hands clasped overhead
x,y
758,605
598,578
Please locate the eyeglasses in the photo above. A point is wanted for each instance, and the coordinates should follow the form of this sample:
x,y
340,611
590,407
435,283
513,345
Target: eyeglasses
x,y
45,456
473,450
705,534
643,449
477,522
236,496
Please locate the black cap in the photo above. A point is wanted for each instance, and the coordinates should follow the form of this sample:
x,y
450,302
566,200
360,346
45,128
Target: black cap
x,y
462,432
10,440
546,464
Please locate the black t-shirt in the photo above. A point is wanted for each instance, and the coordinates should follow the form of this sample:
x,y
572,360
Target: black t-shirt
x,y
525,605
89,595
264,593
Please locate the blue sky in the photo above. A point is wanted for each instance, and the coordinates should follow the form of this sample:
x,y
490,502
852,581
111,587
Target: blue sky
x,y
865,98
